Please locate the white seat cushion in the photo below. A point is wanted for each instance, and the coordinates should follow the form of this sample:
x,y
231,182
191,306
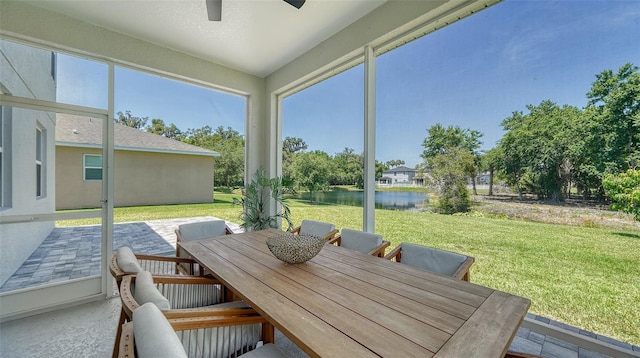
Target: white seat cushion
x,y
127,260
203,229
154,336
431,259
268,350
359,240
146,291
316,228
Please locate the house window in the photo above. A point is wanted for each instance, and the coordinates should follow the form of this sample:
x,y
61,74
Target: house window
x,y
40,155
92,167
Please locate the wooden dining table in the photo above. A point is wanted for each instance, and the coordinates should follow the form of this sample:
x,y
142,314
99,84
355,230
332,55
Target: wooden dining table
x,y
343,303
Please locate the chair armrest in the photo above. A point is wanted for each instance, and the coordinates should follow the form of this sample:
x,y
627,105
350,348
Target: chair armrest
x,y
118,273
183,265
185,280
331,234
394,254
335,240
126,344
115,270
295,230
182,324
463,272
164,258
211,312
379,251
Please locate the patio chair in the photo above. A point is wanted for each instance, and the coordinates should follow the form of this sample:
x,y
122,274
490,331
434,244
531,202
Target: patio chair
x,y
316,228
124,262
431,259
198,231
150,334
365,242
188,297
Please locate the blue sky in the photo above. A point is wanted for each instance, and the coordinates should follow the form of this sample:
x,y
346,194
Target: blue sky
x,y
473,73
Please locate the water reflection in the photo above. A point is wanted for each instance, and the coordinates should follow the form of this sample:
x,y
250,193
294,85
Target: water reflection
x,y
391,200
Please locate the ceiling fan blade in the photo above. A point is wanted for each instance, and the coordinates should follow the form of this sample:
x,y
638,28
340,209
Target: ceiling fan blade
x,y
295,3
214,10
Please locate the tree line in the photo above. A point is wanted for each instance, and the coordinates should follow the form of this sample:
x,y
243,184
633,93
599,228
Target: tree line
x,y
547,151
316,170
550,149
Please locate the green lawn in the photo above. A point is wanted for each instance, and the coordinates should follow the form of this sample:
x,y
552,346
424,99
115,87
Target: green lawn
x,y
587,277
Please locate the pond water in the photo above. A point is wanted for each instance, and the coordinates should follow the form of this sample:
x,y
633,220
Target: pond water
x,y
391,200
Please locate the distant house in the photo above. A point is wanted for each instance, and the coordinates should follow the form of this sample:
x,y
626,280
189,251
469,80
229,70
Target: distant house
x,y
399,176
148,169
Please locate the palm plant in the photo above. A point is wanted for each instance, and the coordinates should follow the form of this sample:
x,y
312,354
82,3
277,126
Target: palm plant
x,y
256,199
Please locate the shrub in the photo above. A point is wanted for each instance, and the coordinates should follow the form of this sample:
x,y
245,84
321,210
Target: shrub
x,y
624,191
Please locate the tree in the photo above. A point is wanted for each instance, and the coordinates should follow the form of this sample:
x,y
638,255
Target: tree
x,y
380,168
394,163
449,172
610,127
229,166
624,190
311,171
291,146
451,155
348,168
228,133
131,121
491,161
158,127
535,148
201,137
441,140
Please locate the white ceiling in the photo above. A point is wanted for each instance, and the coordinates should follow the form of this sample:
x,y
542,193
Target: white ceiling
x,y
254,36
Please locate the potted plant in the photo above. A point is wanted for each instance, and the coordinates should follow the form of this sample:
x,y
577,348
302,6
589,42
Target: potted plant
x,y
256,199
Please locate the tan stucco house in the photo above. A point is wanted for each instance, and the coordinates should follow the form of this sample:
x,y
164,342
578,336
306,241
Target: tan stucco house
x,y
149,169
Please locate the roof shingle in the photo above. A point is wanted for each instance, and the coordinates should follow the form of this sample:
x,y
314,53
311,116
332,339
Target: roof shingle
x,y
87,132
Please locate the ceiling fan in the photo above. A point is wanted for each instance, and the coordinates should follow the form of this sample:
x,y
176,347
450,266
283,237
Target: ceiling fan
x,y
214,8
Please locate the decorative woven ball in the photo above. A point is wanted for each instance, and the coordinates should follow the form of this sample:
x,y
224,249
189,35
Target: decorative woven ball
x,y
295,249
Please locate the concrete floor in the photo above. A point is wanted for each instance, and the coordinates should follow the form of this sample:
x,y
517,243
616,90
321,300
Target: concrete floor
x,y
83,331
87,331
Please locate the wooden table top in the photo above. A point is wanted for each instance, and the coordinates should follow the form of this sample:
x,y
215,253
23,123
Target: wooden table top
x,y
344,303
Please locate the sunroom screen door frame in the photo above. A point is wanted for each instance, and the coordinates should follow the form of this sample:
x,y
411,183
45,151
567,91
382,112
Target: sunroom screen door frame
x,y
28,301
